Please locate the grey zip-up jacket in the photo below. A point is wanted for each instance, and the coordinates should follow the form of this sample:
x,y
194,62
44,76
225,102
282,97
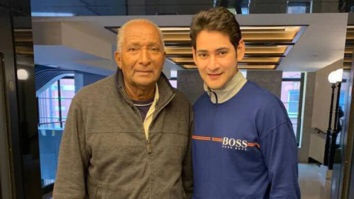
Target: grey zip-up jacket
x,y
104,153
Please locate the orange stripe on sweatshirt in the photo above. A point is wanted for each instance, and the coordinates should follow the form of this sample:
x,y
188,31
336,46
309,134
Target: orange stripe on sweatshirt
x,y
196,137
253,144
216,139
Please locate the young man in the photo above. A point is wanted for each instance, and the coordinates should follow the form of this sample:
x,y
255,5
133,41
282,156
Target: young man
x,y
128,135
243,142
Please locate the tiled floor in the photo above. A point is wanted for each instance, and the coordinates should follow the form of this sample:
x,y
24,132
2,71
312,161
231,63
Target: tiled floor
x,y
313,182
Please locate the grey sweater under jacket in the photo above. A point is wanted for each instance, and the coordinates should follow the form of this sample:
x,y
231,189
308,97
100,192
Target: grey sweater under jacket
x,y
104,153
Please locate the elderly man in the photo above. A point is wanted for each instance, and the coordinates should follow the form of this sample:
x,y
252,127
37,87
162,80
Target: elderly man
x,y
243,142
128,135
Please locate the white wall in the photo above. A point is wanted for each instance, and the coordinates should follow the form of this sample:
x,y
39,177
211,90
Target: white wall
x,y
322,96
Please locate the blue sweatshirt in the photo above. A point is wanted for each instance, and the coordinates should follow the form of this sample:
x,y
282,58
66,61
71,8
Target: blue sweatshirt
x,y
244,148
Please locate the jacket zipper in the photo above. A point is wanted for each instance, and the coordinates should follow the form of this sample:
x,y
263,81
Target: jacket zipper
x,y
147,139
148,142
148,146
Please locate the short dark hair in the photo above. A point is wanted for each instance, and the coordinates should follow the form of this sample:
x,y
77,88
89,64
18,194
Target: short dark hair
x,y
216,19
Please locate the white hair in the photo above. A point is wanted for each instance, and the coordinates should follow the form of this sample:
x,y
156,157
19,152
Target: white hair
x,y
120,36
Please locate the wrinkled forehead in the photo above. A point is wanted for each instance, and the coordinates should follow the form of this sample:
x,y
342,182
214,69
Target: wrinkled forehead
x,y
141,32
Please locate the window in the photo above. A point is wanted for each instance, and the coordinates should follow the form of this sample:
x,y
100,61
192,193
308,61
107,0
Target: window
x,y
244,72
245,6
215,3
52,14
299,7
235,7
291,90
293,101
173,78
53,105
245,10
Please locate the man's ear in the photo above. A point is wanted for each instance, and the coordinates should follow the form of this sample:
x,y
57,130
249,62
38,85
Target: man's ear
x,y
241,48
118,59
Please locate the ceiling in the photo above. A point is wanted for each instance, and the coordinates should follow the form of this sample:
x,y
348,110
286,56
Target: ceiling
x,y
174,7
265,45
319,40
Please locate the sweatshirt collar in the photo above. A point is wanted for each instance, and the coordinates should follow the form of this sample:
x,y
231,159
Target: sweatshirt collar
x,y
231,88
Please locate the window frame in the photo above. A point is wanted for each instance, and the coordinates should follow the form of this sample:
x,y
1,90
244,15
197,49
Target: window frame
x,y
59,98
301,80
52,124
306,3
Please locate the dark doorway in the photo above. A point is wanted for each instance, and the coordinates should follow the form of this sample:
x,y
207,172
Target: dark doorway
x,y
19,157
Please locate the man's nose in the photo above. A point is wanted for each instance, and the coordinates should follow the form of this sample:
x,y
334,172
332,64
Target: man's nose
x,y
212,64
145,58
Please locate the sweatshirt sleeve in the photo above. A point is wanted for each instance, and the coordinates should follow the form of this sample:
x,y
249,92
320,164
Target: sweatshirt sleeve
x,y
187,174
279,149
73,158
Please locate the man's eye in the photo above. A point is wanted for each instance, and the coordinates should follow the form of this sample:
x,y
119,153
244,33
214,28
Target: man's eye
x,y
155,49
202,55
132,49
222,52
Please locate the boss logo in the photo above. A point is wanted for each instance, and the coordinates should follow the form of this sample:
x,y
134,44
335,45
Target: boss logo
x,y
237,144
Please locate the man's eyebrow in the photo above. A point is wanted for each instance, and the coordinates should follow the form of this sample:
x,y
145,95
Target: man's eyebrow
x,y
134,44
154,44
218,49
202,51
222,48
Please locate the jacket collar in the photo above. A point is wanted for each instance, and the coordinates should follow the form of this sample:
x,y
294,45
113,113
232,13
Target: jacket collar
x,y
165,90
231,88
